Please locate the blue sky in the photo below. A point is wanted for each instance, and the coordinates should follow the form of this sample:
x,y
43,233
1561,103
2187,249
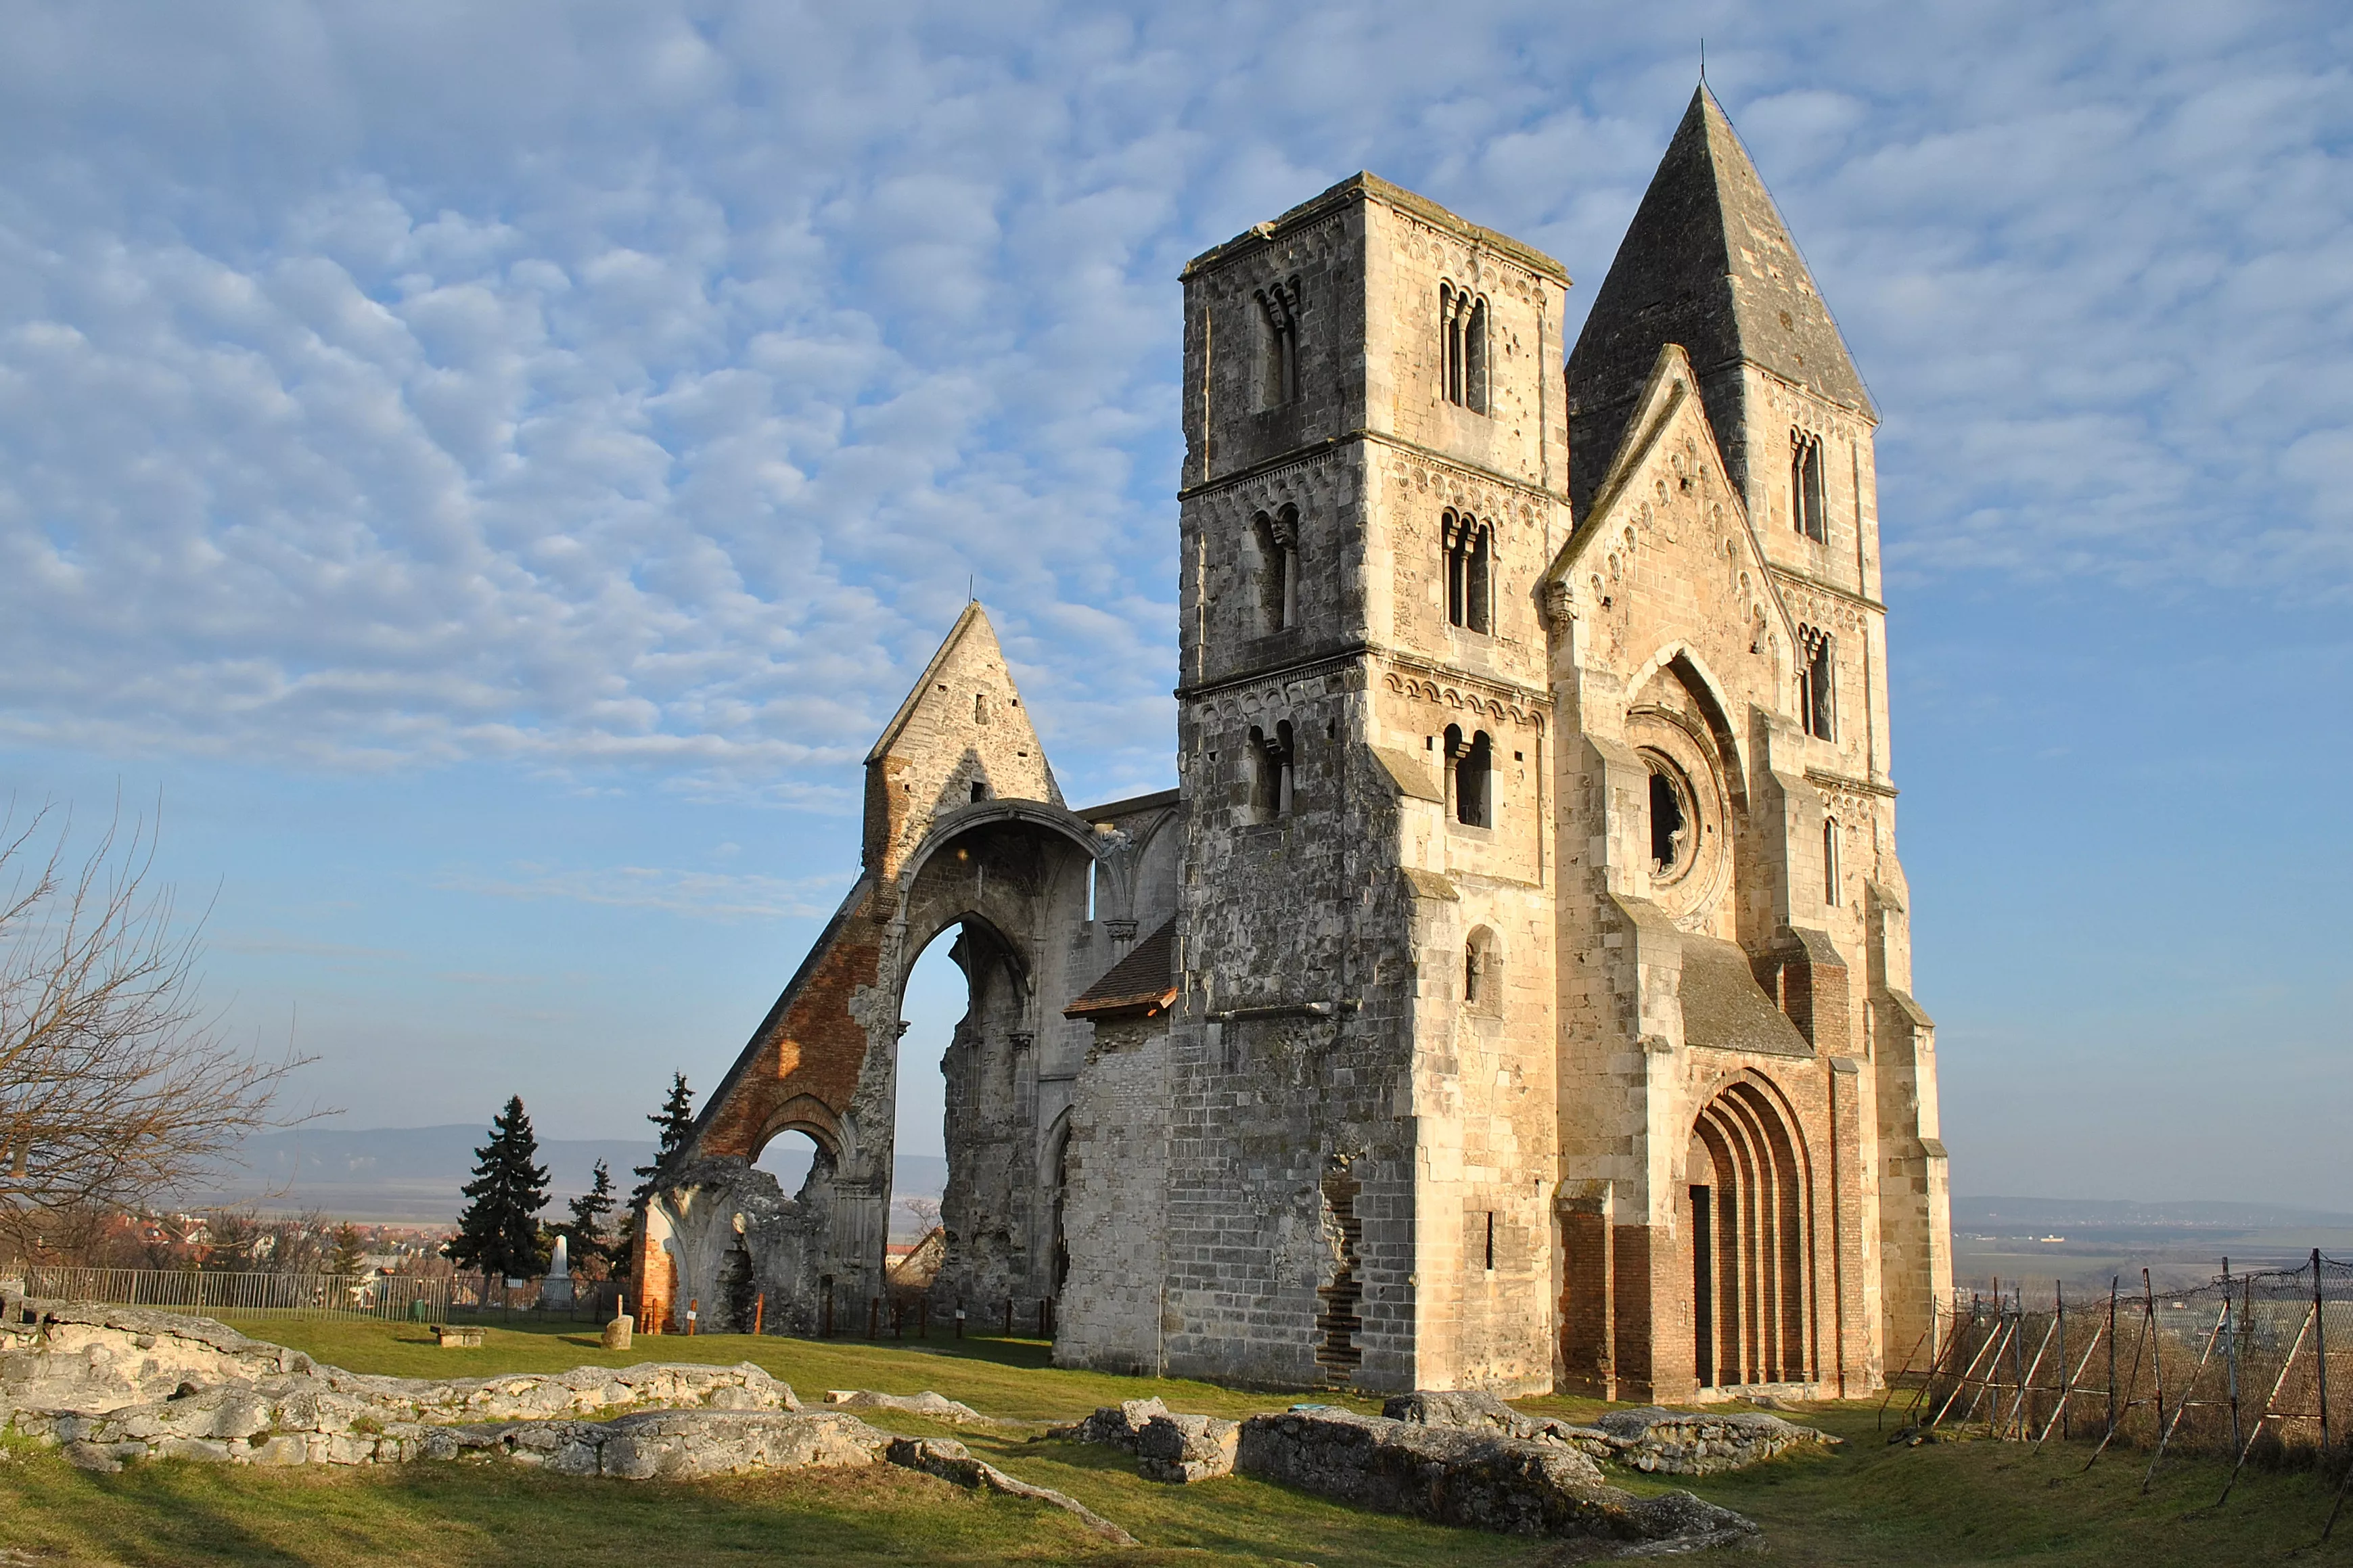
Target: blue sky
x,y
491,471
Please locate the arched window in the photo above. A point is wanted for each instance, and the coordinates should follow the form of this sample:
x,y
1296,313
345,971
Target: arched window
x,y
1468,571
1278,305
1470,765
1482,979
1270,766
1463,329
1806,507
980,707
1817,694
1278,577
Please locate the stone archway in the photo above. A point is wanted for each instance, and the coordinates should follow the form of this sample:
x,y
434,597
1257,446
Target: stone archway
x,y
1749,1229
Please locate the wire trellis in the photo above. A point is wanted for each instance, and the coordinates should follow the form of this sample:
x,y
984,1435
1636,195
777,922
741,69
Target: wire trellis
x,y
2250,1366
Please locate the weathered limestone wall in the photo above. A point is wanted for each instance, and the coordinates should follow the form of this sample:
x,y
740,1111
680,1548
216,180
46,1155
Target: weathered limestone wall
x,y
1116,1214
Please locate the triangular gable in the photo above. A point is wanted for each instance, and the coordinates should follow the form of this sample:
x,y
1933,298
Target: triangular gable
x,y
1670,390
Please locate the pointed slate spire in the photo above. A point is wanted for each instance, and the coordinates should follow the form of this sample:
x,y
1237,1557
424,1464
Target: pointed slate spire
x,y
1707,263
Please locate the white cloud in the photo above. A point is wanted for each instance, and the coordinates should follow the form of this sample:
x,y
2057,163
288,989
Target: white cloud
x,y
703,895
615,385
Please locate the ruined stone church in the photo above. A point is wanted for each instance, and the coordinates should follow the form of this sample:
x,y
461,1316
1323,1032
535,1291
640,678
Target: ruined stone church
x,y
1514,993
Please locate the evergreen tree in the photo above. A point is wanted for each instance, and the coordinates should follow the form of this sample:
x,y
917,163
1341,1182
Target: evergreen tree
x,y
345,1258
588,1211
674,1121
499,1232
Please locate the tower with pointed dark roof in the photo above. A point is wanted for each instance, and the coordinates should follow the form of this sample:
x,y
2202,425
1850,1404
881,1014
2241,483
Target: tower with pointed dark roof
x,y
1708,265
1514,991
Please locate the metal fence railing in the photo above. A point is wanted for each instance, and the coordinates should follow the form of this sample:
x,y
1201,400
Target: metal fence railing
x,y
465,1297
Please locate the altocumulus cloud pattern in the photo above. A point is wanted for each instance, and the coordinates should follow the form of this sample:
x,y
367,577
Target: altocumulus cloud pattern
x,y
641,384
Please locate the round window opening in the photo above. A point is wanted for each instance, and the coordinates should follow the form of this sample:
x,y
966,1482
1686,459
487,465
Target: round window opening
x,y
1671,835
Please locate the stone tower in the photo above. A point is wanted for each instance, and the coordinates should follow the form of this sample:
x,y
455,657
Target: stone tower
x,y
1377,473
1754,1193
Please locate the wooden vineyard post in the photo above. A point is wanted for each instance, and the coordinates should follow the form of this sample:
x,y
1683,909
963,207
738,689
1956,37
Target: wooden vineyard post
x,y
759,1310
1905,1373
2302,1333
2026,1380
2165,1433
2155,1346
2320,1349
2112,1356
2140,1342
2238,1329
2059,1309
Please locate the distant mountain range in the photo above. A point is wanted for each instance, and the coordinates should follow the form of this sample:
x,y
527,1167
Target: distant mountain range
x,y
393,1174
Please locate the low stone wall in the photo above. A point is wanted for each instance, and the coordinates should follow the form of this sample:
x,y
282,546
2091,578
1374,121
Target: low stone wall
x,y
1457,1477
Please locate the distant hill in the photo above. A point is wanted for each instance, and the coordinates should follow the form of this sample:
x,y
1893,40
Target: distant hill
x,y
413,1173
2014,1216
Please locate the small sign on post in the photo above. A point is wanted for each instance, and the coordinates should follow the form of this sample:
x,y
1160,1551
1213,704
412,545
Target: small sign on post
x,y
693,1313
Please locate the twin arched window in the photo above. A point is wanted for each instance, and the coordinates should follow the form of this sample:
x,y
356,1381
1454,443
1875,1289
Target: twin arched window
x,y
1469,571
1270,760
1462,328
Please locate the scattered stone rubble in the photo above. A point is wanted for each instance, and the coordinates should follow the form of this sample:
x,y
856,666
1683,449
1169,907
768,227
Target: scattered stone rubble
x,y
1653,1440
113,1385
932,1407
1702,1442
1117,1426
1467,1477
951,1461
1183,1449
1168,1446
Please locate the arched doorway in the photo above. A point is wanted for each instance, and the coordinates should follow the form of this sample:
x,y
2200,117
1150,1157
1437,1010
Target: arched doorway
x,y
1747,1215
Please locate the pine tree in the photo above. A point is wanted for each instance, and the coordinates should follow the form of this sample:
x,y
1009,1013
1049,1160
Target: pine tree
x,y
499,1232
674,1121
588,1211
348,1248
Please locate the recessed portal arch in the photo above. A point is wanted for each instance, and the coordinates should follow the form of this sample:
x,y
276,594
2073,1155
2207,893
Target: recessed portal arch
x,y
1750,1240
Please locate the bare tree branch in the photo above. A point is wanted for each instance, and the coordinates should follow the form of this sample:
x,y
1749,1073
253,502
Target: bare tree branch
x,y
115,1083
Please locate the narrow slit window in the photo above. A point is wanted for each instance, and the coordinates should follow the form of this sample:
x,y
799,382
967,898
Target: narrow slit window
x,y
1829,862
1481,977
1817,691
1806,510
1278,305
1470,764
1491,1241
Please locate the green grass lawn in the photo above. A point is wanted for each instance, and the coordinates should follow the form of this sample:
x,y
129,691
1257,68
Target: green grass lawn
x,y
1952,1504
